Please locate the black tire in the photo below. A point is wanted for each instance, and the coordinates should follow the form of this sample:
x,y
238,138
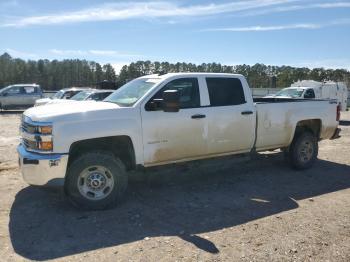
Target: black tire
x,y
303,151
90,160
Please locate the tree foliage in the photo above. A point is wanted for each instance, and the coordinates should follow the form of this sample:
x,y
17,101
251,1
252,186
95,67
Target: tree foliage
x,y
54,75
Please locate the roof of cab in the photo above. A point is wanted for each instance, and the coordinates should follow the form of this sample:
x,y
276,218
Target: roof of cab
x,y
164,76
25,85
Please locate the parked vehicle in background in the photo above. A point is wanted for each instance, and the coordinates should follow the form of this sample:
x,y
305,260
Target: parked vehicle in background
x,y
87,95
310,89
156,120
65,93
19,96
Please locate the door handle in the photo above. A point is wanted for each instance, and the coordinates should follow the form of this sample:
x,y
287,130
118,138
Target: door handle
x,y
247,112
197,116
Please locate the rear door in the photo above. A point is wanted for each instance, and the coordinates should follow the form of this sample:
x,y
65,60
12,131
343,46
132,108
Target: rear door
x,y
231,116
172,136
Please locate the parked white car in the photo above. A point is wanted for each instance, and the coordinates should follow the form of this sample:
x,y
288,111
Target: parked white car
x,y
66,93
156,120
87,95
309,89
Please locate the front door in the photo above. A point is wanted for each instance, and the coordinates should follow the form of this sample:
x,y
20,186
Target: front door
x,y
14,97
173,136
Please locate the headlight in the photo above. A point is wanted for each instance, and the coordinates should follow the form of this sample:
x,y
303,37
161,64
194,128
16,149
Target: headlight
x,y
36,136
45,130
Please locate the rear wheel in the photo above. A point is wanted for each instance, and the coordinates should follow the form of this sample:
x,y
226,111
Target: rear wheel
x,y
96,180
303,151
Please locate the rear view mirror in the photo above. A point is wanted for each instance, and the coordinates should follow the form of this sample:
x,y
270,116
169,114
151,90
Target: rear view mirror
x,y
171,101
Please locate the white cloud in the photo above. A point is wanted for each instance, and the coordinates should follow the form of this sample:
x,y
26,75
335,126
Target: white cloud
x,y
98,53
325,63
290,8
17,53
118,66
123,11
112,53
258,28
266,28
67,52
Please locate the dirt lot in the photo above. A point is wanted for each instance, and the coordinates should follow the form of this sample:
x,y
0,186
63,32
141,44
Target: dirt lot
x,y
222,210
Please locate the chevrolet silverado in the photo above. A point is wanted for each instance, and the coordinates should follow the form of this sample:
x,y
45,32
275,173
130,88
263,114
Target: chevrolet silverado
x,y
90,147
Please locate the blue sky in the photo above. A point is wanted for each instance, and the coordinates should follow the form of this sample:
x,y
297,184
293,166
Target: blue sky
x,y
313,33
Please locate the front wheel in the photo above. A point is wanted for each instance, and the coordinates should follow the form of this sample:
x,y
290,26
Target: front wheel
x,y
303,151
96,180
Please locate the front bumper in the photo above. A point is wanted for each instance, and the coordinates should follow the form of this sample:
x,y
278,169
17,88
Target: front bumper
x,y
42,169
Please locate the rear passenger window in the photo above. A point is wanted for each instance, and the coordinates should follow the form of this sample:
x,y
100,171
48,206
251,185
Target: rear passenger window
x,y
309,93
225,91
29,90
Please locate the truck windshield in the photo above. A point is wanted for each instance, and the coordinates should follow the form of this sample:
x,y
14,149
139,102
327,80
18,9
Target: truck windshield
x,y
132,91
83,95
293,92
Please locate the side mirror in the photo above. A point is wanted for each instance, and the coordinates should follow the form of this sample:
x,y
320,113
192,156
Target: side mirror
x,y
154,105
171,101
4,94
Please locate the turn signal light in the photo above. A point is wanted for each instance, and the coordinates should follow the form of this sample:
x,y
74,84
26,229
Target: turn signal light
x,y
45,145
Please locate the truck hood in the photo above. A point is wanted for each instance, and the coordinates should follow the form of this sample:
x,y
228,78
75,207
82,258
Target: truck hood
x,y
67,111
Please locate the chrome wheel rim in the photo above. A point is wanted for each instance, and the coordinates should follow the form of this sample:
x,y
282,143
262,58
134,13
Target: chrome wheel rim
x,y
306,151
95,182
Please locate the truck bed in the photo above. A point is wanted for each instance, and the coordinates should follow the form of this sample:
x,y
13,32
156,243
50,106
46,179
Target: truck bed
x,y
277,119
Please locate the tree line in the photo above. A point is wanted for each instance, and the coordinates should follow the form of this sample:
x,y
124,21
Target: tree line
x,y
55,75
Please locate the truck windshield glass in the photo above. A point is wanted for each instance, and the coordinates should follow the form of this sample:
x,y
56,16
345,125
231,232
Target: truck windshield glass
x,y
132,91
58,95
290,92
81,96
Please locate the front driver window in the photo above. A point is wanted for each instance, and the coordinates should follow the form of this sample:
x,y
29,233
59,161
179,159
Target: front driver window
x,y
14,90
188,89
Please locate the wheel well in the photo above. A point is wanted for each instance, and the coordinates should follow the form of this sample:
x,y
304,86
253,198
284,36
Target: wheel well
x,y
312,125
120,146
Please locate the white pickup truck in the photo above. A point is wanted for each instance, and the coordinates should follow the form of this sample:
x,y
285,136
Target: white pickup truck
x,y
90,147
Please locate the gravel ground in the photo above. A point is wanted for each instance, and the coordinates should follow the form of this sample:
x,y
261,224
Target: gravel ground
x,y
217,210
